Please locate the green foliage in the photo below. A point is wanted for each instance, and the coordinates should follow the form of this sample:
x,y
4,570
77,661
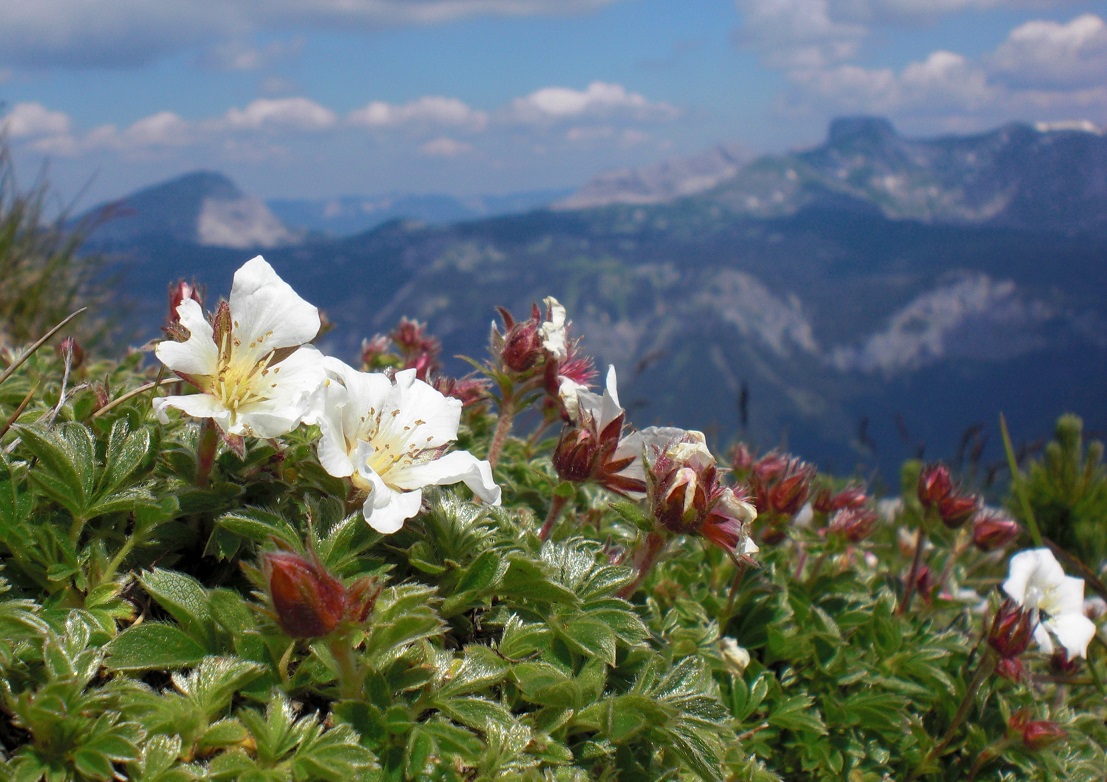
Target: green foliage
x,y
1067,488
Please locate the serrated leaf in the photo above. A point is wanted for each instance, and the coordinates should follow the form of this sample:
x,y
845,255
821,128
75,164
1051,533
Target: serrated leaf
x,y
182,597
260,526
589,636
797,713
152,645
126,450
526,580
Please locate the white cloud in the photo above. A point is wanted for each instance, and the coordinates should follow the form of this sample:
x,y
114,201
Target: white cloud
x,y
599,99
445,147
289,113
77,33
798,34
27,120
1043,71
1050,54
244,56
429,110
164,129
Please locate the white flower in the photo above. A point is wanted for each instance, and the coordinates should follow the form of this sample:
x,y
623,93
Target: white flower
x,y
389,435
584,406
553,331
737,658
1036,581
255,373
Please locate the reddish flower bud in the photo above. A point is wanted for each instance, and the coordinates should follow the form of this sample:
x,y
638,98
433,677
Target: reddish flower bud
x,y
522,347
1011,668
372,350
849,497
1036,734
935,484
992,531
853,524
308,601
418,349
956,509
180,292
924,584
1011,630
70,350
1063,665
469,389
576,454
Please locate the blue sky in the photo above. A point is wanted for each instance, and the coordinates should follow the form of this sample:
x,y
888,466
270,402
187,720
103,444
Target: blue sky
x,y
316,98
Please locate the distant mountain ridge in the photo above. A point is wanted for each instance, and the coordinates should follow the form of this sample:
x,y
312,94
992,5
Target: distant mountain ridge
x,y
204,207
1052,176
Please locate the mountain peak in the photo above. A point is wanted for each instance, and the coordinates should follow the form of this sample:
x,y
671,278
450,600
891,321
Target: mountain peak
x,y
204,207
860,128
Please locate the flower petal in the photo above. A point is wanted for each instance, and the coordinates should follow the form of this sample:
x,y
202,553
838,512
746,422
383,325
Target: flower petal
x,y
291,396
455,467
1074,631
385,509
198,355
197,406
267,313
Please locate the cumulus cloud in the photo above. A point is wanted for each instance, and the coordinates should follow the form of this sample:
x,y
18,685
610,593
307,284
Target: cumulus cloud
x,y
77,33
798,34
288,113
599,99
1043,70
1050,54
27,120
429,110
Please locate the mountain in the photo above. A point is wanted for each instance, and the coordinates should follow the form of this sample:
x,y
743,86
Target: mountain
x,y
853,327
1052,177
347,215
662,182
204,208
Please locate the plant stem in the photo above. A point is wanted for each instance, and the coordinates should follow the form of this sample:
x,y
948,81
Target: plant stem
x,y
556,506
644,560
982,671
1017,485
503,427
205,451
350,675
989,753
913,574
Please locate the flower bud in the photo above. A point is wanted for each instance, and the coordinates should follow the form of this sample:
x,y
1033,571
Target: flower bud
x,y
853,524
372,350
991,531
956,509
522,346
680,502
935,484
69,349
1063,665
849,497
308,601
1011,630
737,658
179,292
1036,734
1011,668
574,458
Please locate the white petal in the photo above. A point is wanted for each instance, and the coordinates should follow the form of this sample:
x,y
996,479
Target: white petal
x,y
1043,639
1035,569
433,416
197,406
267,313
609,405
1066,597
552,332
332,447
198,355
386,510
455,467
1074,631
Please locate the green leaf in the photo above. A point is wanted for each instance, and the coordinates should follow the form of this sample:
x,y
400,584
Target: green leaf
x,y
260,526
588,636
152,645
527,580
798,713
126,451
182,596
